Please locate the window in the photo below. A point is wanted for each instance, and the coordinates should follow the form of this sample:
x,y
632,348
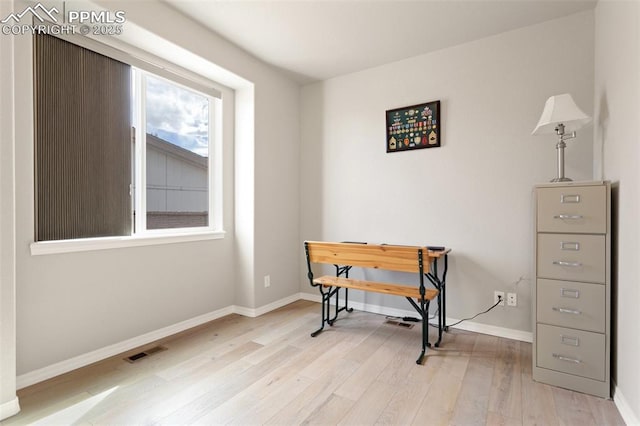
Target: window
x,y
121,149
173,159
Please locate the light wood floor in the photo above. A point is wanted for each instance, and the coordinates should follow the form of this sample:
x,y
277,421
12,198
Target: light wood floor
x,y
268,370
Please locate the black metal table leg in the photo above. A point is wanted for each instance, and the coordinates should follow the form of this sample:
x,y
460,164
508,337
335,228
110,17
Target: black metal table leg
x,y
440,291
340,270
346,307
423,310
444,293
441,285
325,297
335,317
346,301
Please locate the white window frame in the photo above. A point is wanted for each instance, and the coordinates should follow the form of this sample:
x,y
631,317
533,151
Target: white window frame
x,y
140,157
176,75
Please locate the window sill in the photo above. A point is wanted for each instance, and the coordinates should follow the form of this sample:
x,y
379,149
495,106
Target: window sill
x,y
106,243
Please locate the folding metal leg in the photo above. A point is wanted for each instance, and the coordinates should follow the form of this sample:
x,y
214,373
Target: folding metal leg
x,y
325,310
346,301
423,310
444,293
340,270
335,316
440,285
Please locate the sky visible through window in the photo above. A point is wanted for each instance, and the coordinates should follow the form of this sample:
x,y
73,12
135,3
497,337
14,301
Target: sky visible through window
x,y
178,115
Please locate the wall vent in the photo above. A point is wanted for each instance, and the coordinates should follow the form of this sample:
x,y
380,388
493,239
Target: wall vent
x,y
145,353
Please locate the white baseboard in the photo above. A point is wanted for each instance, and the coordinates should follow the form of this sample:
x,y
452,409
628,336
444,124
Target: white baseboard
x,y
624,407
9,408
62,367
310,297
492,330
12,407
256,312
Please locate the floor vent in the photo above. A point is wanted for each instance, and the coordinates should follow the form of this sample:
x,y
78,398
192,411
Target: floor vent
x,y
399,323
144,354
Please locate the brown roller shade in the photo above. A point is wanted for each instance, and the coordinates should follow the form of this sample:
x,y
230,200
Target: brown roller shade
x,y
82,142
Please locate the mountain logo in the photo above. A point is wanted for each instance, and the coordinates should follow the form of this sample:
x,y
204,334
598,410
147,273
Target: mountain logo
x,y
38,11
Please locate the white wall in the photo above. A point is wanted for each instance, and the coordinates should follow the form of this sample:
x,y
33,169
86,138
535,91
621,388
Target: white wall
x,y
8,400
269,231
71,304
616,158
474,193
277,189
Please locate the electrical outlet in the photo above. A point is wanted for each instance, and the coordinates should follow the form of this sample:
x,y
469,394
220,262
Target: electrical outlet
x,y
267,281
499,294
512,299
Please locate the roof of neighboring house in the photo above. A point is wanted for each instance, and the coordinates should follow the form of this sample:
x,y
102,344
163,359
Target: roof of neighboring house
x,y
177,151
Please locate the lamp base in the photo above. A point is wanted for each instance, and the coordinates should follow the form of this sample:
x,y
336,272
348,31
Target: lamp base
x,y
561,179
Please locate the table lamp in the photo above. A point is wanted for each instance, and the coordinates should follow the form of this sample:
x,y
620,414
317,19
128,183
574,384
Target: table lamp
x,y
561,115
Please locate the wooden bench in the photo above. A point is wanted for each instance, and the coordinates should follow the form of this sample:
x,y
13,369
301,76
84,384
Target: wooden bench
x,y
344,256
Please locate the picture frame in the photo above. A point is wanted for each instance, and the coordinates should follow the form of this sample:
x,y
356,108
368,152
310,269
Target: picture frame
x,y
413,127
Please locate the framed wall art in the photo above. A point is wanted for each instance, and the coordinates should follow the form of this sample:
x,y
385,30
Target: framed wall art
x,y
413,127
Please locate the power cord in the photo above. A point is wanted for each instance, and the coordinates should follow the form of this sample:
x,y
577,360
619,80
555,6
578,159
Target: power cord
x,y
479,313
414,319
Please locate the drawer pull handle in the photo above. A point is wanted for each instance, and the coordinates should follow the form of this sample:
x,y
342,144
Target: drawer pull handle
x,y
570,293
566,199
566,311
564,245
566,358
563,263
569,216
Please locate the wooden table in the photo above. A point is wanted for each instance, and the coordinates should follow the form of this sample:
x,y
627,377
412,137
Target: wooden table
x,y
334,253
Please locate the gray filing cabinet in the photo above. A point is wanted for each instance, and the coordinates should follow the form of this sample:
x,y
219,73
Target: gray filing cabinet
x,y
572,288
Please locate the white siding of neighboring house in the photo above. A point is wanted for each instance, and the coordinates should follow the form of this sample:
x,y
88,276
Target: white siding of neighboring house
x,y
176,186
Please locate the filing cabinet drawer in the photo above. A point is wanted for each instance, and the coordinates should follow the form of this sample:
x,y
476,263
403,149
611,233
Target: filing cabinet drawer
x,y
572,209
571,304
581,353
572,257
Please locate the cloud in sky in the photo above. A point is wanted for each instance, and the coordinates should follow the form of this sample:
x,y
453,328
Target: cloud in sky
x,y
178,115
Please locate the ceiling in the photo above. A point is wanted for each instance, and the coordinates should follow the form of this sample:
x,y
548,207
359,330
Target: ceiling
x,y
320,39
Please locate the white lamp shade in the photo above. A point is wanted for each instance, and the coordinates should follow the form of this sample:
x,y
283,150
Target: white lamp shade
x,y
561,109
